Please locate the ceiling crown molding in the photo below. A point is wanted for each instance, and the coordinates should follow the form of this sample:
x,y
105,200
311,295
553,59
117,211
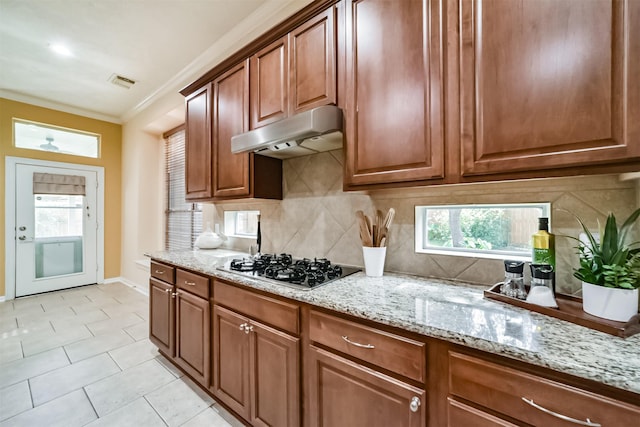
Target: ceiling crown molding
x,y
39,102
261,20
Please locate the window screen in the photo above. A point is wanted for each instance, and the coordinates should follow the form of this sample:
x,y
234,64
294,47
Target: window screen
x,y
183,219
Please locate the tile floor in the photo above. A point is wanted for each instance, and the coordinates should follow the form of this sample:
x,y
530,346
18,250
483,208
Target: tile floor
x,y
82,357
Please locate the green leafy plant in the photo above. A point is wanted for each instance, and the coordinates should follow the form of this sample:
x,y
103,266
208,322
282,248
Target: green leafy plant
x,y
611,261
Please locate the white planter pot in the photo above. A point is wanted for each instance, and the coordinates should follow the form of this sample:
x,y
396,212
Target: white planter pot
x,y
609,303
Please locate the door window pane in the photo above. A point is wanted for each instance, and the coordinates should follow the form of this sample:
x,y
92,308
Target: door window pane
x,y
58,215
58,234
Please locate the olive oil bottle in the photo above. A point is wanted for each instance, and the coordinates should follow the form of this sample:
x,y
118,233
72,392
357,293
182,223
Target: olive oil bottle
x,y
544,250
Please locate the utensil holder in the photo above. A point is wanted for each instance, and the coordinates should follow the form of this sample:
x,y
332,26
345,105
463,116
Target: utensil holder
x,y
374,260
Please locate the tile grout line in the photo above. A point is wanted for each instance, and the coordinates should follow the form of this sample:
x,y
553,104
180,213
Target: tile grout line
x,y
154,409
91,403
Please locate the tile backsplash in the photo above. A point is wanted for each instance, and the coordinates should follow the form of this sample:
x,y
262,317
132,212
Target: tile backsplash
x,y
316,218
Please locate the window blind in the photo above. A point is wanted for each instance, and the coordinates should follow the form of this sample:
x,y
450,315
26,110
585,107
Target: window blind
x,y
183,219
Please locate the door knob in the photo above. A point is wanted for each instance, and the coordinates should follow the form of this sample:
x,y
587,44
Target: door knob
x,y
415,404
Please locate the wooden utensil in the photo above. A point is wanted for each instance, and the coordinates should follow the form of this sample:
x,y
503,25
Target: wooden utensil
x,y
365,229
389,218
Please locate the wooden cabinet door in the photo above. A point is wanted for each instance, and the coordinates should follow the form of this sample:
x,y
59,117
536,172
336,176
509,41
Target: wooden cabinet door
x,y
345,393
461,415
270,84
231,361
161,316
231,176
198,145
192,336
394,125
312,62
275,382
547,84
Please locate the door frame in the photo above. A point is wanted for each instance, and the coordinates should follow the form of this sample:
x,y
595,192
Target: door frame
x,y
10,215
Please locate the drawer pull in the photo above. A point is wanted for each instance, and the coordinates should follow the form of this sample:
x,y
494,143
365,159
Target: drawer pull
x,y
588,422
357,344
159,272
415,404
189,283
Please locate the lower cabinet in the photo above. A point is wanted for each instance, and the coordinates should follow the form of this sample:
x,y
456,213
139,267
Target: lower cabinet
x,y
255,369
180,321
162,316
193,336
461,415
345,393
245,347
520,397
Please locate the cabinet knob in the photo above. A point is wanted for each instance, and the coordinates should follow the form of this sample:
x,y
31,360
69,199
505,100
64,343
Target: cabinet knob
x,y
415,404
168,291
248,329
173,295
242,326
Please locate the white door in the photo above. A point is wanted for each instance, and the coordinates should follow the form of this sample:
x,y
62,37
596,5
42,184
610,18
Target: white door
x,y
56,234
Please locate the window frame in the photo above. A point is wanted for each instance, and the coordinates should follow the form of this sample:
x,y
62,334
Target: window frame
x,y
420,241
193,210
231,223
48,128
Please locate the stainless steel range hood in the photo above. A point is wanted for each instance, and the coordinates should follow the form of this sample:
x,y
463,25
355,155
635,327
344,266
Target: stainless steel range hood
x,y
305,133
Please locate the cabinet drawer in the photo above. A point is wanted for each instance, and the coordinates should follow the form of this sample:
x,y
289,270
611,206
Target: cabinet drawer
x,y
193,283
267,310
504,389
459,414
393,352
163,272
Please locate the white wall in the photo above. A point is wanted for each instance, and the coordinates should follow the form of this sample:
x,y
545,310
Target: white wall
x,y
142,146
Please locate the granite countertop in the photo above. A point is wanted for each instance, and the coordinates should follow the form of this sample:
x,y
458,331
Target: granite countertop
x,y
456,313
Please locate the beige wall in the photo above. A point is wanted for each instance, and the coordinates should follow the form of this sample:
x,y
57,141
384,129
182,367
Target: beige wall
x,y
142,199
317,219
110,159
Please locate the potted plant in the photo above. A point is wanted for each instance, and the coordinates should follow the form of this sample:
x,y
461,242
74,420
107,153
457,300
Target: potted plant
x,y
609,270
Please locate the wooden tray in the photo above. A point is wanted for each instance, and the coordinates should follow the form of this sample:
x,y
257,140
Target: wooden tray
x,y
570,309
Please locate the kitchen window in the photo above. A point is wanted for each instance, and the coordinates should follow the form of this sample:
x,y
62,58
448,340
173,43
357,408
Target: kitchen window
x,y
183,219
241,224
483,231
41,137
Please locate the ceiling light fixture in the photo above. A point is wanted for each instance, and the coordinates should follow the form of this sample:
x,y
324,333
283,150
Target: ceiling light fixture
x,y
60,49
49,145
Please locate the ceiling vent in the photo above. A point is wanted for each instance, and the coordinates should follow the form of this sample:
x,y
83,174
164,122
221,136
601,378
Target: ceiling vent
x,y
122,81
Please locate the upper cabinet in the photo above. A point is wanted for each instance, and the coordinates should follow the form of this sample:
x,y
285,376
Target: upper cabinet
x,y
269,84
433,91
215,113
198,145
312,63
548,84
244,174
394,85
296,72
230,117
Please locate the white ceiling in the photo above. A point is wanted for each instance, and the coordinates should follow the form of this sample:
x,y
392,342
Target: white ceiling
x,y
157,43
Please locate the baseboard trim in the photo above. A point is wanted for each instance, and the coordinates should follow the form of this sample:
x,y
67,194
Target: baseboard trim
x,y
143,290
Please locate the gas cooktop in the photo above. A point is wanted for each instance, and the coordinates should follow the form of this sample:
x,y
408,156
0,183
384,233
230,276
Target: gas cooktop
x,y
304,274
